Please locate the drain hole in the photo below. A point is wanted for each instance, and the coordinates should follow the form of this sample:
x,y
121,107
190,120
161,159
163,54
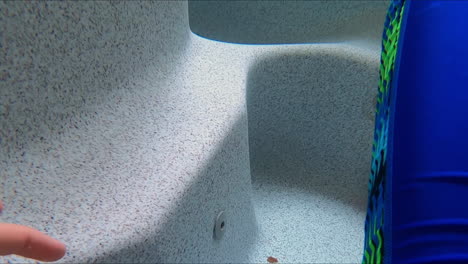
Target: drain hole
x,y
220,225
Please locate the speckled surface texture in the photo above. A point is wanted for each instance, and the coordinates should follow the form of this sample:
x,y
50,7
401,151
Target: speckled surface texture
x,y
123,134
309,131
278,21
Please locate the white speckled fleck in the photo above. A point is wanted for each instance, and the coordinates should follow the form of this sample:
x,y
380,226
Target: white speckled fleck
x,y
123,134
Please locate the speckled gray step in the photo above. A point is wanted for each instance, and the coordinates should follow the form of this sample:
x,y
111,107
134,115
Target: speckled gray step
x,y
124,135
279,21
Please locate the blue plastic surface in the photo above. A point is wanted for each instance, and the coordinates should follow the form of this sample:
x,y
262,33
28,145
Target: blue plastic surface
x,y
428,146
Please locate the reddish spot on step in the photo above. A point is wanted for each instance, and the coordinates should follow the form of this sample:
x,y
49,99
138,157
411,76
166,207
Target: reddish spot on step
x,y
272,260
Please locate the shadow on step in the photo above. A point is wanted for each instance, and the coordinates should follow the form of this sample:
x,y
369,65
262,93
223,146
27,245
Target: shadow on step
x,y
185,235
279,22
311,123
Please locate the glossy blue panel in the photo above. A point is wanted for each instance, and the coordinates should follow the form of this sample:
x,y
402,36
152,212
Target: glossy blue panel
x,y
429,143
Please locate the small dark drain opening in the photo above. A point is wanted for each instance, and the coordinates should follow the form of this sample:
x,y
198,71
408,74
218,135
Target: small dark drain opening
x,y
219,226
